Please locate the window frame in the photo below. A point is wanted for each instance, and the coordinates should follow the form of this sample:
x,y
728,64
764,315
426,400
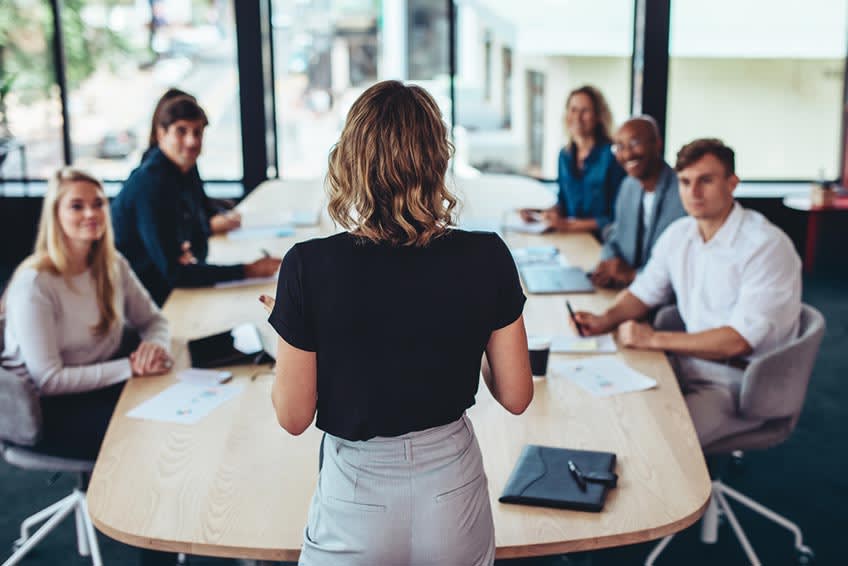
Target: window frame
x,y
255,57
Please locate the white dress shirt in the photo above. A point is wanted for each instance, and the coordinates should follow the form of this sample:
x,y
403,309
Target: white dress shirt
x,y
647,208
748,277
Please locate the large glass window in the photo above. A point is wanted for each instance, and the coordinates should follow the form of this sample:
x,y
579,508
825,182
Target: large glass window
x,y
121,55
766,76
30,112
327,52
516,63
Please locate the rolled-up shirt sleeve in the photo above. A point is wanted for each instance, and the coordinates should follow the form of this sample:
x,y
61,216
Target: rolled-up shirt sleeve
x,y
770,293
652,285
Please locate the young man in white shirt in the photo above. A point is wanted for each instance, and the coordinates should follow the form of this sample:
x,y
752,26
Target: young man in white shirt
x,y
737,279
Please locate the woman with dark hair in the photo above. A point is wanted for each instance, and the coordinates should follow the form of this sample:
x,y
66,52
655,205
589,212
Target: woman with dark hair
x,y
383,331
161,224
221,218
589,175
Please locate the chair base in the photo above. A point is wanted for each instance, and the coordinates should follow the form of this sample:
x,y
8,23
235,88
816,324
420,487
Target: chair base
x,y
719,506
52,516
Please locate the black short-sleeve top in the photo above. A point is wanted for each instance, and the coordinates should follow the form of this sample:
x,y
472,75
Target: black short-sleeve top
x,y
398,332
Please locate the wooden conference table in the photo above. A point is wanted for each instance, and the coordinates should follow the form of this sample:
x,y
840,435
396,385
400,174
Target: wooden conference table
x,y
235,484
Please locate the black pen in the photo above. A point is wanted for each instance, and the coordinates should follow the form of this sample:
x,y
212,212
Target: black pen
x,y
573,318
265,252
578,475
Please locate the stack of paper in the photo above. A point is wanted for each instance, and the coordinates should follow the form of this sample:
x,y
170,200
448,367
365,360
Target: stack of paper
x,y
514,223
603,344
261,232
536,254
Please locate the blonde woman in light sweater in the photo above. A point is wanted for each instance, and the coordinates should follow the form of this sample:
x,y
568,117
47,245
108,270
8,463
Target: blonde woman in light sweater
x,y
67,308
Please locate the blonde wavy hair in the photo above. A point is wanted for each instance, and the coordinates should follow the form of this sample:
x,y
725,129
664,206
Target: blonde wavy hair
x,y
51,250
603,129
386,177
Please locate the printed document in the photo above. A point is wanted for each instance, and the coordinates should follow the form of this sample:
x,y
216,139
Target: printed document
x,y
184,403
602,376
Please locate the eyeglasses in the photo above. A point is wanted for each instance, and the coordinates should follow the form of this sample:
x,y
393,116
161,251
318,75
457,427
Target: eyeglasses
x,y
632,144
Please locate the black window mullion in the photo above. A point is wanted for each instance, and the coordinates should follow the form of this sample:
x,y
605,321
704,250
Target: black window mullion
x,y
649,94
254,115
61,78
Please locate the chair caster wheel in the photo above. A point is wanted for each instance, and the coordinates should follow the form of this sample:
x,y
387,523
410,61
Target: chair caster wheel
x,y
805,556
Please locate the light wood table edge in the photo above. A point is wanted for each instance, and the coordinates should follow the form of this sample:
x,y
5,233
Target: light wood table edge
x,y
516,551
218,551
603,542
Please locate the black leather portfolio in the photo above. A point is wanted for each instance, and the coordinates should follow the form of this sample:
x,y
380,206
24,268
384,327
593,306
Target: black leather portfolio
x,y
543,477
241,345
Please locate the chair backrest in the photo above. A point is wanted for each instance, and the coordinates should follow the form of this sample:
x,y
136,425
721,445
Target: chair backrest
x,y
775,384
20,408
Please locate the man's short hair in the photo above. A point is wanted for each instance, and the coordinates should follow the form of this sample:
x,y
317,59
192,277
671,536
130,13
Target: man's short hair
x,y
180,108
695,150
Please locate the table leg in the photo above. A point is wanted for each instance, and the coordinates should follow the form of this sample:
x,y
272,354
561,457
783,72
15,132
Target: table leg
x,y
812,241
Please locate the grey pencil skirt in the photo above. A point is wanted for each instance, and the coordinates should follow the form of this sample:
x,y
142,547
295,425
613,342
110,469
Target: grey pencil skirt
x,y
417,499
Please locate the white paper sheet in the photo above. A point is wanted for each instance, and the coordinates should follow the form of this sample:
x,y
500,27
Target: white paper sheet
x,y
514,223
603,344
536,254
261,232
184,403
602,376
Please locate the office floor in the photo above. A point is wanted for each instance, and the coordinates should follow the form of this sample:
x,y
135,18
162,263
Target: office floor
x,y
804,478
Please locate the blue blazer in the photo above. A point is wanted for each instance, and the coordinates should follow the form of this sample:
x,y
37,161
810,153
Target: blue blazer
x,y
621,239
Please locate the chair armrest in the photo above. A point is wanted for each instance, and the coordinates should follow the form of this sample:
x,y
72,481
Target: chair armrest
x,y
668,319
20,410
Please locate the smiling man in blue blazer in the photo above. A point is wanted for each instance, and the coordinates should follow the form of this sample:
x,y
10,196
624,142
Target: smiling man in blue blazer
x,y
648,201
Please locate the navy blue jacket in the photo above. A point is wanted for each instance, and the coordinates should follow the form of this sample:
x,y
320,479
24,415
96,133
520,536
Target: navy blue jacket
x,y
158,209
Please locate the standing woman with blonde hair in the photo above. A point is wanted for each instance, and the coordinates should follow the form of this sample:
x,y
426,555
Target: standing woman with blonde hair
x,y
66,309
383,331
589,176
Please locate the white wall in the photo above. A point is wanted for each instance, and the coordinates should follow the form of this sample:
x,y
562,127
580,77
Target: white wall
x,y
782,117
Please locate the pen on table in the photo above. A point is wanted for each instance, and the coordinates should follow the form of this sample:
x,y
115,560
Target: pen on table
x,y
573,318
578,475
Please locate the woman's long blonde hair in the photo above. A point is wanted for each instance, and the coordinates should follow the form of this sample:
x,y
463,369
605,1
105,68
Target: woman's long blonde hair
x,y
386,177
51,251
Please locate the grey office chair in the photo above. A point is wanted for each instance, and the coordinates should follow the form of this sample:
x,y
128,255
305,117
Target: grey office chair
x,y
773,388
20,430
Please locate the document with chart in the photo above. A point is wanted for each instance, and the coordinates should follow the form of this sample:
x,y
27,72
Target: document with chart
x,y
602,376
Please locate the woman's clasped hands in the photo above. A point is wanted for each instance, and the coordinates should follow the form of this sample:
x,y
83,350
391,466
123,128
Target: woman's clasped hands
x,y
150,359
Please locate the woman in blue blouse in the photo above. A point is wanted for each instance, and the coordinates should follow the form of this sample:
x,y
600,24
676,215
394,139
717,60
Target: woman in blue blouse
x,y
589,175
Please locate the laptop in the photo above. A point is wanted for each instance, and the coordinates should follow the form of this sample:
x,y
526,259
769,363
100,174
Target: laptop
x,y
542,278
